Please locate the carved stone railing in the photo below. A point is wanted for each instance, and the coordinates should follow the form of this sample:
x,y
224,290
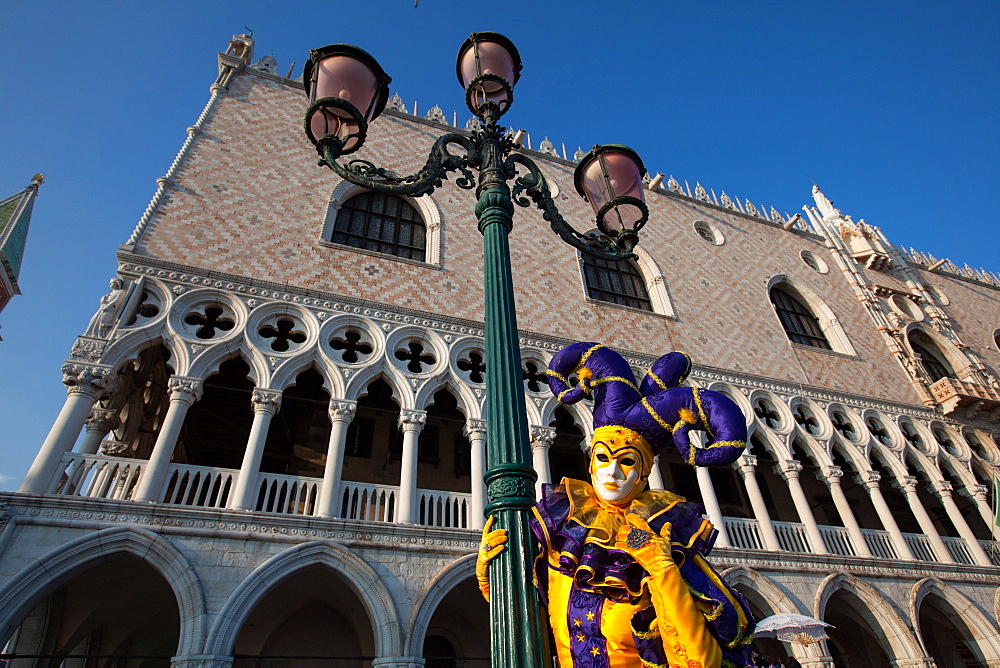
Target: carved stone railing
x,y
200,486
287,494
97,476
792,537
368,501
743,533
449,510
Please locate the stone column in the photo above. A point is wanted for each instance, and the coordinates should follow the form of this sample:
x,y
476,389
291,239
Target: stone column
x,y
100,422
831,476
266,404
790,470
411,422
184,392
869,479
475,431
747,466
541,440
908,485
341,414
85,384
655,477
942,489
711,504
978,493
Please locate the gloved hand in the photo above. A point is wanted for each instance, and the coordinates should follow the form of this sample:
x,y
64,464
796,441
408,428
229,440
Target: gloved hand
x,y
650,549
493,544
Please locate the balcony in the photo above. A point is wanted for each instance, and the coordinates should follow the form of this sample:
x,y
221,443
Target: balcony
x,y
115,478
951,393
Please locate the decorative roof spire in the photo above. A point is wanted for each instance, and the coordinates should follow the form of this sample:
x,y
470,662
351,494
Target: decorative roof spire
x,y
823,203
15,216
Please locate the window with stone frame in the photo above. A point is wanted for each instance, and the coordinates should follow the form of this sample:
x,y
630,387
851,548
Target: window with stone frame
x,y
931,358
615,282
382,223
797,319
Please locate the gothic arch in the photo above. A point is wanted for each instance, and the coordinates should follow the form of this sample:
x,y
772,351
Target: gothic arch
x,y
425,205
828,321
432,595
401,391
63,563
284,376
768,589
656,282
127,348
209,362
582,415
885,622
468,403
963,607
364,582
959,363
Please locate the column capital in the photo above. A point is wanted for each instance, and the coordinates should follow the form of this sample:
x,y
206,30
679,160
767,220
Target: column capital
x,y
184,389
266,401
788,469
941,488
96,380
975,492
103,420
907,484
868,479
412,420
830,474
747,464
342,410
475,428
542,438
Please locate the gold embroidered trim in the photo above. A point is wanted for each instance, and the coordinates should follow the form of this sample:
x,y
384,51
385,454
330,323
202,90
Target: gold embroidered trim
x,y
622,379
656,379
586,355
655,415
696,393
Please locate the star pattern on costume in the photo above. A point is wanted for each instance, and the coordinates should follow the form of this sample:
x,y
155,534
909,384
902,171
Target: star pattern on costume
x,y
580,637
594,651
590,616
576,621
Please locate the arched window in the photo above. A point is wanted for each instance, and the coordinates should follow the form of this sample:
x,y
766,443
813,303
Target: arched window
x,y
381,223
933,360
615,282
797,319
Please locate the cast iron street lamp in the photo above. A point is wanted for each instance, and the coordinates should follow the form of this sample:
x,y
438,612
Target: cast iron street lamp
x,y
347,90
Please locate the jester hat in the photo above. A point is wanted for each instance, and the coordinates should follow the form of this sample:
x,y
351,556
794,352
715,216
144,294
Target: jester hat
x,y
658,410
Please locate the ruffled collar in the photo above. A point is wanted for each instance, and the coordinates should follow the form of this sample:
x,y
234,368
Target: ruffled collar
x,y
578,530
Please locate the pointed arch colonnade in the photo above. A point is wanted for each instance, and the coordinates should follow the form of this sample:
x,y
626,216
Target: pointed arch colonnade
x,y
217,606
823,474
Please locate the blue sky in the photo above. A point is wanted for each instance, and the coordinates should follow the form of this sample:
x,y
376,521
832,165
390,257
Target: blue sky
x,y
892,107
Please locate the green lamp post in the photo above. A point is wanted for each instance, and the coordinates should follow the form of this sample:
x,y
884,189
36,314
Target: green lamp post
x,y
347,90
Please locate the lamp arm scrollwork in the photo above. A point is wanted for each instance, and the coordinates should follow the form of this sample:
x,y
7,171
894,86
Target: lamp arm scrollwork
x,y
439,164
532,187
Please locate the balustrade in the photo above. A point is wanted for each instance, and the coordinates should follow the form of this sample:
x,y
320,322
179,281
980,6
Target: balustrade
x,y
116,478
287,494
200,486
97,476
444,509
744,533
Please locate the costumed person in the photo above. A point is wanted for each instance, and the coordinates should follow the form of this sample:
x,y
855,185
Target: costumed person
x,y
622,571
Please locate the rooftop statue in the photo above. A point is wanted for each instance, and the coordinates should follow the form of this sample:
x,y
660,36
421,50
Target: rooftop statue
x,y
622,570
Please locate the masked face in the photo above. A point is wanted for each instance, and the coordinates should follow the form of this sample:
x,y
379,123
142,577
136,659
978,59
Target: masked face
x,y
616,474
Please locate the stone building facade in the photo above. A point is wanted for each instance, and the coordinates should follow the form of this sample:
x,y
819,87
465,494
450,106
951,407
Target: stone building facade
x,y
274,438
